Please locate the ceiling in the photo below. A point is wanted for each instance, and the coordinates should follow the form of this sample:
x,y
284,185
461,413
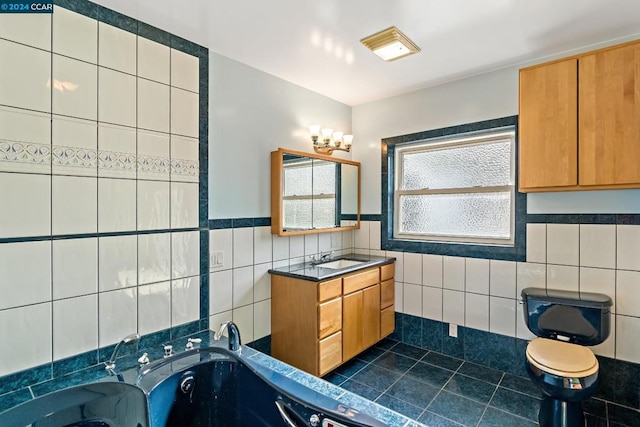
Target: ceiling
x,y
315,43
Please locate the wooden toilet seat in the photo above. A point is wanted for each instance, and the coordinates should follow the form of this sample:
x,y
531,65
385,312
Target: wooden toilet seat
x,y
561,358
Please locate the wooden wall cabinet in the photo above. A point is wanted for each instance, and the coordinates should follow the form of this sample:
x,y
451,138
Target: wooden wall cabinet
x,y
579,123
317,326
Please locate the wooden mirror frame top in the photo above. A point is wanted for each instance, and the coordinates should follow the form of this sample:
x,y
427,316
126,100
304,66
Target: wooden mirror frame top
x,y
277,165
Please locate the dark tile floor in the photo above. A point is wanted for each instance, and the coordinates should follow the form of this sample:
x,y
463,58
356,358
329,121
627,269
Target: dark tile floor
x,y
442,391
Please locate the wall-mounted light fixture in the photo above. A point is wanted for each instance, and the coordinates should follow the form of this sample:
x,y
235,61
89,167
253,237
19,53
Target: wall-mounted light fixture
x,y
390,44
331,141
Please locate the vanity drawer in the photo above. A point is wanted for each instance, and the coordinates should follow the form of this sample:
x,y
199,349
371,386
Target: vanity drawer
x,y
387,321
329,317
330,353
362,280
387,293
329,289
387,272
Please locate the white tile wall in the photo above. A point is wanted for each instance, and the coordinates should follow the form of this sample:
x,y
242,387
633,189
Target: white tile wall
x,y
453,273
154,258
220,292
25,273
153,205
412,299
431,303
153,105
74,205
572,257
26,205
262,245
25,334
118,315
75,35
244,318
280,247
72,147
477,311
537,243
154,307
413,268
30,29
432,270
116,48
261,319
116,205
117,262
75,267
75,326
74,88
503,278
184,71
184,113
477,277
242,286
185,300
23,77
222,241
598,245
563,277
242,247
116,97
628,242
563,244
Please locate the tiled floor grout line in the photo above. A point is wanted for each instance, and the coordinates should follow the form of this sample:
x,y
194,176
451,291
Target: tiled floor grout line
x,y
490,399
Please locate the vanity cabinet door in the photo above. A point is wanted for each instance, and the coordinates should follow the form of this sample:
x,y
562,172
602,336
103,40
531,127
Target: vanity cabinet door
x,y
352,305
370,316
548,125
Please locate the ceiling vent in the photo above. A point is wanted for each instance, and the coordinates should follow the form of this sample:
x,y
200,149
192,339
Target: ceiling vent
x,y
390,44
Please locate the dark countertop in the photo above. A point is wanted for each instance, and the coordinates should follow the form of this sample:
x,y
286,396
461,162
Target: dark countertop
x,y
316,273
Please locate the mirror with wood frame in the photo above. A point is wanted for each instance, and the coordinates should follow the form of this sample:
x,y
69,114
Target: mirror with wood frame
x,y
313,193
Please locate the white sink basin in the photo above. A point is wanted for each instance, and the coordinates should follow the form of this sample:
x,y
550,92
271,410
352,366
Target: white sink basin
x,y
340,263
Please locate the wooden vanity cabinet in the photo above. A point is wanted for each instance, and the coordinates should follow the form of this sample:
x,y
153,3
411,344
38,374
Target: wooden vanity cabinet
x,y
579,122
317,326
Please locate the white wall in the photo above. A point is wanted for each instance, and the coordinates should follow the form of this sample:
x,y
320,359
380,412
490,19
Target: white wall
x,y
482,97
252,113
487,96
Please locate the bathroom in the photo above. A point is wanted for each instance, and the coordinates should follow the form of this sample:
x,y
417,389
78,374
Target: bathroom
x,y
163,284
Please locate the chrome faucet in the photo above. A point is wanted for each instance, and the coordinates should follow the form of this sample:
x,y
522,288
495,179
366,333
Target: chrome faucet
x,y
110,365
234,335
325,257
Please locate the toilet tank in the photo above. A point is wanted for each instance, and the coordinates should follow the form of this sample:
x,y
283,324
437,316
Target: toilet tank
x,y
577,317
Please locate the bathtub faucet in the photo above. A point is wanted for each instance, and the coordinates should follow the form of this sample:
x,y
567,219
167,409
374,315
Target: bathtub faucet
x,y
110,365
234,335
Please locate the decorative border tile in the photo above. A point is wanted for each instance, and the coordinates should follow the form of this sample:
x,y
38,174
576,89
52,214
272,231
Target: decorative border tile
x,y
74,157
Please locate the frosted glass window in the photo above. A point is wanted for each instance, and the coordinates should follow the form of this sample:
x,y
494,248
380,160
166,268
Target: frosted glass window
x,y
458,189
309,194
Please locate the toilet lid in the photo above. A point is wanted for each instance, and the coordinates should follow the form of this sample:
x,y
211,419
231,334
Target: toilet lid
x,y
561,358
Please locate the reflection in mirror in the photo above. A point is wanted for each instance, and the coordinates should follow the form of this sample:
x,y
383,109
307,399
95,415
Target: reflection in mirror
x,y
311,193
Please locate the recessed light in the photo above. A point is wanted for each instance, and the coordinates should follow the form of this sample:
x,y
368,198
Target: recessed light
x,y
390,44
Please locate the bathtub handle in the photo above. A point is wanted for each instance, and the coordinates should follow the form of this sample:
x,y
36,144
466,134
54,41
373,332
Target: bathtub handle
x,y
283,413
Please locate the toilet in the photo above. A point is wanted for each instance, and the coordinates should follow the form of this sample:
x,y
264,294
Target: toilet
x,y
558,361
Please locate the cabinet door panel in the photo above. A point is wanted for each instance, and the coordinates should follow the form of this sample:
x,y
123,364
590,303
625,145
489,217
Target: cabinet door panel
x,y
387,272
352,324
548,125
329,317
371,316
387,321
330,353
610,117
387,293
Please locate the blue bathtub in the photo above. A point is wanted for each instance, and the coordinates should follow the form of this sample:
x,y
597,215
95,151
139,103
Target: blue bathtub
x,y
209,386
